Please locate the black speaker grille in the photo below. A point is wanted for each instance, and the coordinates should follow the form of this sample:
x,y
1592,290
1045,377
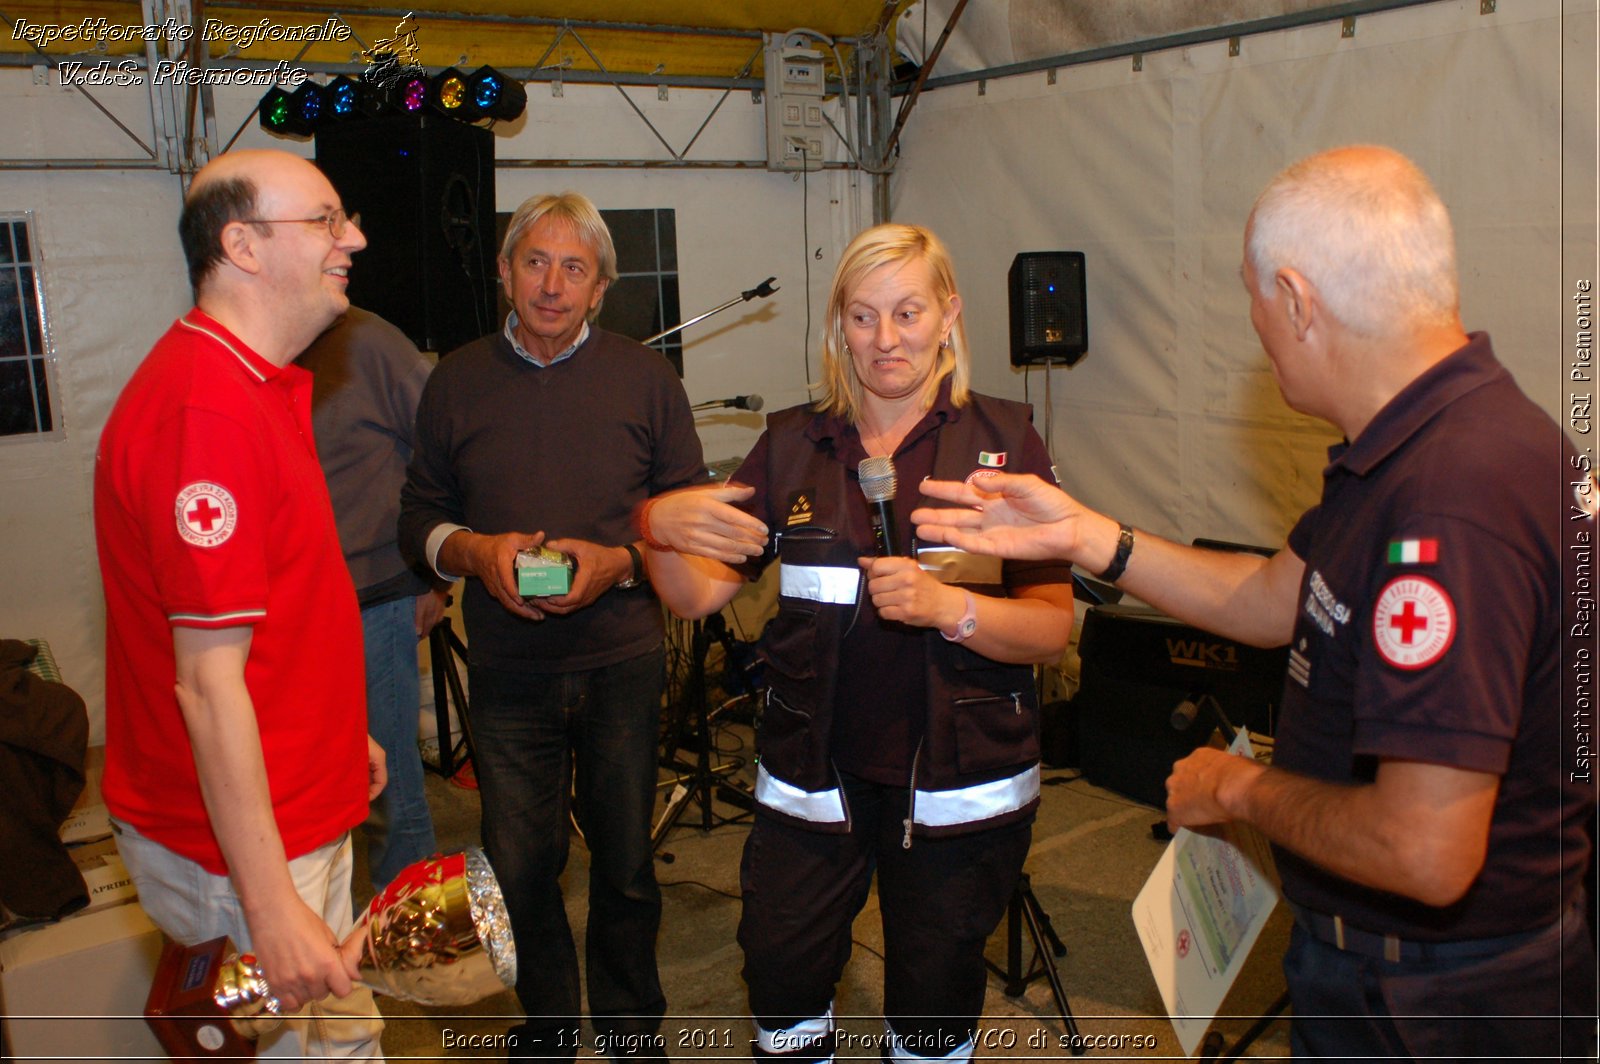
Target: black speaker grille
x,y
424,186
1049,322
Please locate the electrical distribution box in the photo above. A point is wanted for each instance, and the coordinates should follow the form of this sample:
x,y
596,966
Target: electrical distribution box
x,y
794,106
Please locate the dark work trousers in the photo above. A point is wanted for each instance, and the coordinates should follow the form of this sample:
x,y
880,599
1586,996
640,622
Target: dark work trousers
x,y
539,739
940,901
1532,999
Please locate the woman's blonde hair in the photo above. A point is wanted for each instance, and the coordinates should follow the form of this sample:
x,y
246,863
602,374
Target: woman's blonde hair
x,y
883,245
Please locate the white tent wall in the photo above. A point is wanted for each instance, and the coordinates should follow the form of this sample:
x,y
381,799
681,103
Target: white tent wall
x,y
1173,421
114,281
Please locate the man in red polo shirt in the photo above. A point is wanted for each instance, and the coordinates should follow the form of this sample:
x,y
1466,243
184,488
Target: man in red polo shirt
x,y
236,752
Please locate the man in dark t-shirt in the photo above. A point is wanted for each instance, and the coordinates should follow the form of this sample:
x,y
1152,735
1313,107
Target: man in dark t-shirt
x,y
1431,787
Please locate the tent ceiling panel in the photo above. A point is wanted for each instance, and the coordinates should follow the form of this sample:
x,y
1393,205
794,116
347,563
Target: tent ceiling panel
x,y
996,36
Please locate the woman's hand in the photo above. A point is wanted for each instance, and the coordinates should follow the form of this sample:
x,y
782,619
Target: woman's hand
x,y
703,522
903,591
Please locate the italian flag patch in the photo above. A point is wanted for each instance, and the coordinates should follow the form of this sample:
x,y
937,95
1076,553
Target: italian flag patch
x,y
992,459
1413,551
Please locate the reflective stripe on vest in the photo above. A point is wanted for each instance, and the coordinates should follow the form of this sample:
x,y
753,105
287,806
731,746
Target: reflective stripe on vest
x,y
819,807
833,584
981,801
951,566
803,1035
903,1050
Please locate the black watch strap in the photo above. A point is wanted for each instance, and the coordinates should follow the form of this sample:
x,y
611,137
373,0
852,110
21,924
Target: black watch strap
x,y
1119,561
637,576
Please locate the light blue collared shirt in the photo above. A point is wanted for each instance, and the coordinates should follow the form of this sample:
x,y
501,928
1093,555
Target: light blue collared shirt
x,y
511,335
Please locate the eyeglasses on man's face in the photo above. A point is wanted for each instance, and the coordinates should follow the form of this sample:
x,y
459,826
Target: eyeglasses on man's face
x,y
338,222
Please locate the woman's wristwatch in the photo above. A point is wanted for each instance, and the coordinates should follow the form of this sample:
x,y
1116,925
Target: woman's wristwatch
x,y
968,622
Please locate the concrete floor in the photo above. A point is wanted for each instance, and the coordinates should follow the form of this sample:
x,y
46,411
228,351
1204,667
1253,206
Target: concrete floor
x,y
1092,851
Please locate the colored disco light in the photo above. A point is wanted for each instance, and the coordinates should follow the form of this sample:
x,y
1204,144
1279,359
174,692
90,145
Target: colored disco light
x,y
448,92
411,93
496,96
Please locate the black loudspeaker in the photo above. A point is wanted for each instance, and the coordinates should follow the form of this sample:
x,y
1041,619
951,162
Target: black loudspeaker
x,y
1126,742
424,187
1145,687
1049,316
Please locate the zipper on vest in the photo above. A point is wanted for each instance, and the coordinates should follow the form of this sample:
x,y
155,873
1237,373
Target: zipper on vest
x,y
911,811
978,700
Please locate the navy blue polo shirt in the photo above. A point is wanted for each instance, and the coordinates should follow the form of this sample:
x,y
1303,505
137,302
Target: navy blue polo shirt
x,y
1430,629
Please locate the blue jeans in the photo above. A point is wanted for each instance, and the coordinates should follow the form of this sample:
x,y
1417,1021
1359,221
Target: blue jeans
x,y
540,739
400,828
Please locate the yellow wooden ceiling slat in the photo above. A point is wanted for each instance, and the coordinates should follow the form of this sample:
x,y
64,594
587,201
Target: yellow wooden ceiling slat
x,y
444,40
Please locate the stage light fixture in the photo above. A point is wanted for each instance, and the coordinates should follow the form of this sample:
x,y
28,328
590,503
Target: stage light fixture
x,y
485,93
353,98
494,95
348,98
310,104
409,94
341,98
281,112
447,92
274,111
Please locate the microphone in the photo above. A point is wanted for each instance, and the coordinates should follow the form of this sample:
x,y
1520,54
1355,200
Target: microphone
x,y
762,290
878,484
738,402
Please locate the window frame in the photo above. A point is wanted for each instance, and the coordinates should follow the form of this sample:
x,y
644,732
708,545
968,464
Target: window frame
x,y
11,272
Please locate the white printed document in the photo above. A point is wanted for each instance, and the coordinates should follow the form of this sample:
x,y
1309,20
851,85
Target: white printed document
x,y
1199,914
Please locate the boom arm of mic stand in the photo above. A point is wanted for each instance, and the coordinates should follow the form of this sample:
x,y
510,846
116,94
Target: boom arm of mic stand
x,y
764,289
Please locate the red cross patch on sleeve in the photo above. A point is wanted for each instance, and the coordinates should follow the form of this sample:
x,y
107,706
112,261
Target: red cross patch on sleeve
x,y
206,513
1414,622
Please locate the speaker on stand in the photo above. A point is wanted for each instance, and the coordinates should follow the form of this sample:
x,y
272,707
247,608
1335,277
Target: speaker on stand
x,y
424,187
1049,316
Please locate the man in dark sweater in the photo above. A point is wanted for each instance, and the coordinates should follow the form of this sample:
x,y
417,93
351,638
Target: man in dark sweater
x,y
553,433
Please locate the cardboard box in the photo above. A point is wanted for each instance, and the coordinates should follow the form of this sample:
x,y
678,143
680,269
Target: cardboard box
x,y
89,819
543,572
76,990
104,875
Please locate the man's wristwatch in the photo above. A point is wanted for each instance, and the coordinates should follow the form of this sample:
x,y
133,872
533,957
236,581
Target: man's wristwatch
x,y
635,578
1119,560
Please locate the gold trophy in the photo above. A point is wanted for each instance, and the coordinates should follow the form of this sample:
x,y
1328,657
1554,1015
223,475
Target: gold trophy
x,y
439,934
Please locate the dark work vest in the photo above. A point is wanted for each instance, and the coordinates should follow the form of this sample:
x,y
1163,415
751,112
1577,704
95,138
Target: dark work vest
x,y
977,765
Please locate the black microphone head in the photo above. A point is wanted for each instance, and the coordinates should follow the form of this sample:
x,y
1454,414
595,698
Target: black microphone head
x,y
877,478
750,402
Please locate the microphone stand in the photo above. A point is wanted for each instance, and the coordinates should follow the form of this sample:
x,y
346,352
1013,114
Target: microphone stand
x,y
700,780
763,290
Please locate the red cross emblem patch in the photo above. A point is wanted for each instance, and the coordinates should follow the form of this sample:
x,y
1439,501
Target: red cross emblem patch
x,y
206,514
1414,622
